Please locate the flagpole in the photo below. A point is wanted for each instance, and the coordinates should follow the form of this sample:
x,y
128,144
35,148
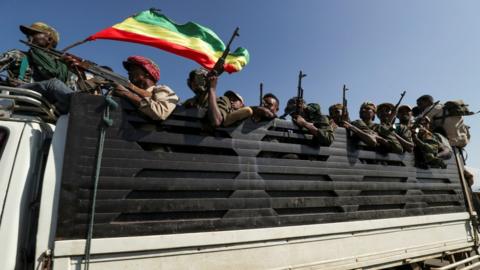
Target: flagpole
x,y
75,44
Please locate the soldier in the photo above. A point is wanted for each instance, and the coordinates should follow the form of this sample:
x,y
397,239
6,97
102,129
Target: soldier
x,y
227,109
403,129
387,139
447,119
430,148
336,113
156,101
363,128
309,117
37,70
197,82
268,110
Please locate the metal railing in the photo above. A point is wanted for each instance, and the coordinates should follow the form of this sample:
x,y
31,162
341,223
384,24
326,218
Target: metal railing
x,y
28,102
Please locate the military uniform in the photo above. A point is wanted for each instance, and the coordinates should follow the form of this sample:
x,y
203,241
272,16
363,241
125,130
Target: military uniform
x,y
312,114
404,132
199,101
386,131
229,114
427,149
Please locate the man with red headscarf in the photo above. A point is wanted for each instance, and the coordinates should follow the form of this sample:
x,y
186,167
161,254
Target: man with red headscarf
x,y
156,101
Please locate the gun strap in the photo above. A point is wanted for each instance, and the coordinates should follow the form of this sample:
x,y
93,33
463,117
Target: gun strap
x,y
23,68
107,122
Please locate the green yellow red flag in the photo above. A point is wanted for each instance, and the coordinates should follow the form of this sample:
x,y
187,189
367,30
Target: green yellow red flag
x,y
189,40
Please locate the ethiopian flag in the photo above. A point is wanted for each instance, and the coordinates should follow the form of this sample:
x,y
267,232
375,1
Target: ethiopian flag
x,y
189,40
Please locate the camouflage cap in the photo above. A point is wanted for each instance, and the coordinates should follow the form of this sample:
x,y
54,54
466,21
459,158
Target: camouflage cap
x,y
385,106
41,27
368,105
231,93
404,108
334,107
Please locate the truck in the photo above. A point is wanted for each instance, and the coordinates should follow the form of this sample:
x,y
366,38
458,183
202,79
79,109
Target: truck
x,y
104,187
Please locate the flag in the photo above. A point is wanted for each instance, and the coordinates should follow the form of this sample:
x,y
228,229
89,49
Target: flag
x,y
189,40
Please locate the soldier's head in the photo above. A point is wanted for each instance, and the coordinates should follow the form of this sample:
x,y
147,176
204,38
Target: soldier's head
x,y
425,122
386,112
197,80
41,34
271,102
404,114
236,101
335,112
142,72
293,103
424,102
367,111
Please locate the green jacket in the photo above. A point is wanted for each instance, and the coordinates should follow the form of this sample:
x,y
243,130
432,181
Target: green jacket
x,y
387,132
312,114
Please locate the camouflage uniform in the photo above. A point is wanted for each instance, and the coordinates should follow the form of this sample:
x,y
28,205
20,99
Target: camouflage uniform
x,y
404,132
386,131
368,128
427,149
312,114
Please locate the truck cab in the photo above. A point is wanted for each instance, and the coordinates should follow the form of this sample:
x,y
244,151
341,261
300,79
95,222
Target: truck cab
x,y
179,195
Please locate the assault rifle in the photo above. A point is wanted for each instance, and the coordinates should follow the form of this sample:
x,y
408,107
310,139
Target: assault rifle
x,y
298,98
397,105
299,92
423,115
344,104
87,65
219,68
261,95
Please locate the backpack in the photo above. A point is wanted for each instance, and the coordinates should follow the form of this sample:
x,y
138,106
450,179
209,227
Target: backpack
x,y
450,121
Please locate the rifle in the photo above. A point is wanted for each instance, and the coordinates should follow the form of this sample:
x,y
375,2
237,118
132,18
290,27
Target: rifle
x,y
261,94
87,65
218,68
397,105
299,91
423,114
344,104
298,98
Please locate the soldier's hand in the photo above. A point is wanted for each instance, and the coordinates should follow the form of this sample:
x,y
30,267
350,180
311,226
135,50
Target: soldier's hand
x,y
213,82
120,90
14,82
347,125
381,140
299,120
71,61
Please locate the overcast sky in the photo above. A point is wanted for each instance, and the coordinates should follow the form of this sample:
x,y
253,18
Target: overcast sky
x,y
378,48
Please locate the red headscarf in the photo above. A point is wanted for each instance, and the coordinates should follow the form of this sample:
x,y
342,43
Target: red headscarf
x,y
147,64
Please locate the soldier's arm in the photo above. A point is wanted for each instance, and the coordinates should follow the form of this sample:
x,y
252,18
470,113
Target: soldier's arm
x,y
407,145
367,138
214,114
